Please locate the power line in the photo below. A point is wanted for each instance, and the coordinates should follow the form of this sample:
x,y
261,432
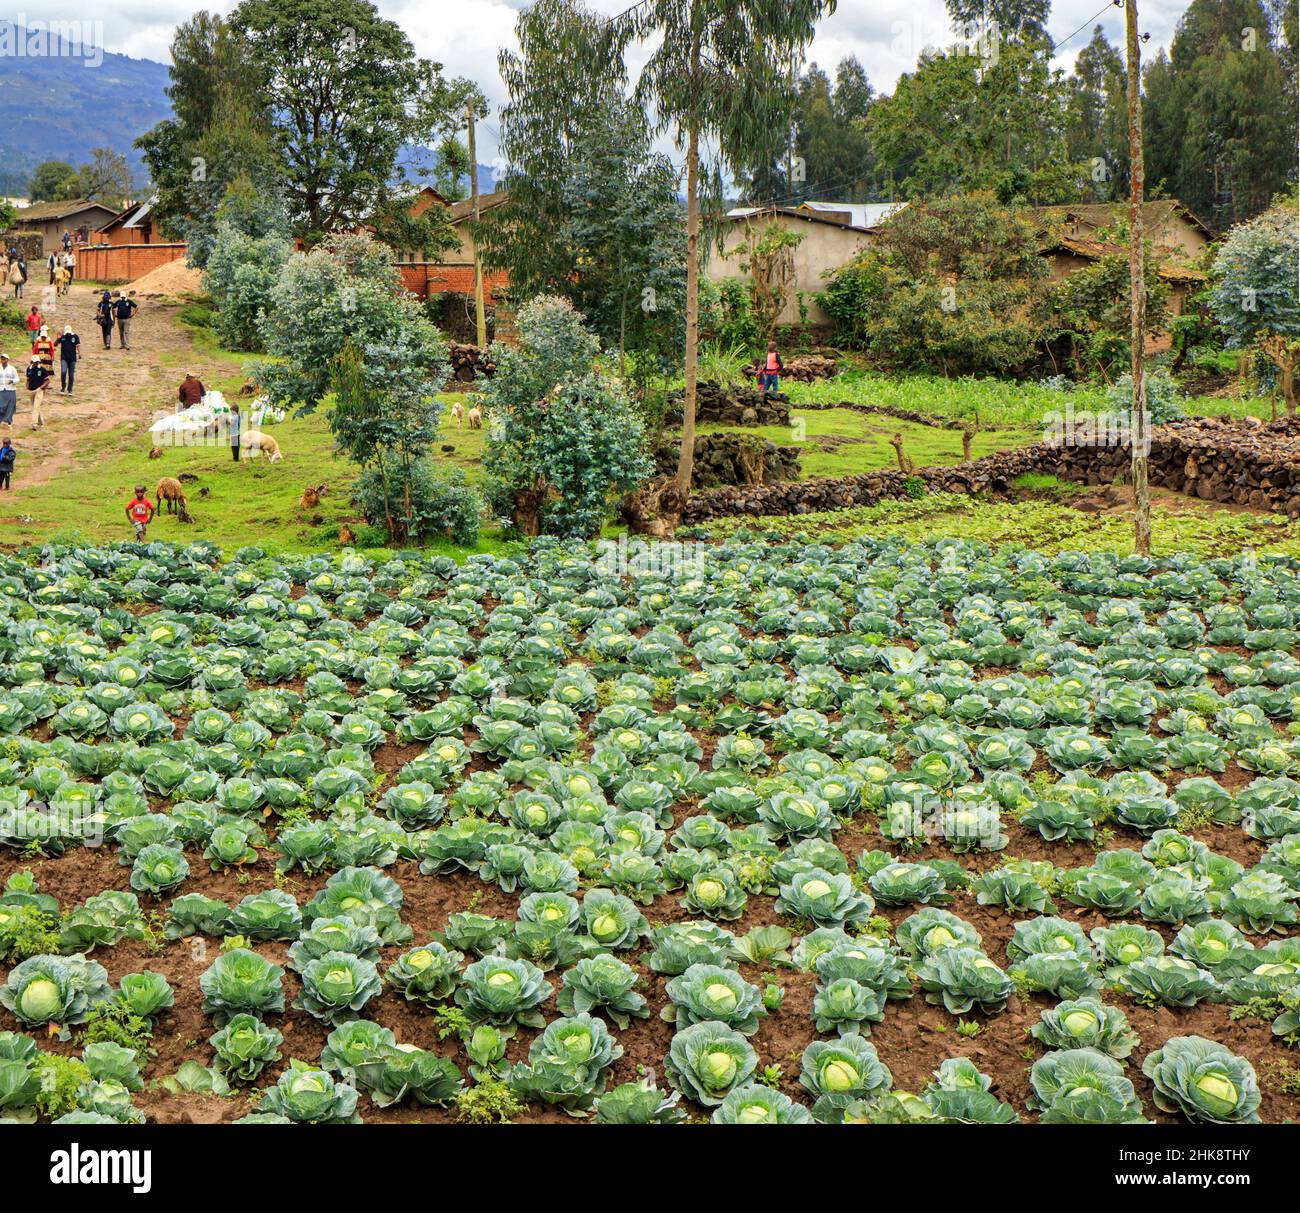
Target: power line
x,y
1113,4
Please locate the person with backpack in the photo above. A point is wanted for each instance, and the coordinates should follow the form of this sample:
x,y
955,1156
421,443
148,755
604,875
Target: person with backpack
x,y
38,383
139,511
769,374
104,318
124,310
17,276
7,457
69,351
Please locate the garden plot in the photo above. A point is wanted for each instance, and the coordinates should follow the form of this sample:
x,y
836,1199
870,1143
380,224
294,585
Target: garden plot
x,y
872,833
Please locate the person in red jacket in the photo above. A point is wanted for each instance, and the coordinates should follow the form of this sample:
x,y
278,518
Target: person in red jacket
x,y
139,510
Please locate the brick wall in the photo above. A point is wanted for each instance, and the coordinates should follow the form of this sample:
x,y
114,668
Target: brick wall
x,y
123,262
424,278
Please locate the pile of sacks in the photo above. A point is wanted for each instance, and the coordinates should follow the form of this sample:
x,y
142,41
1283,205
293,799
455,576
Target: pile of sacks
x,y
209,418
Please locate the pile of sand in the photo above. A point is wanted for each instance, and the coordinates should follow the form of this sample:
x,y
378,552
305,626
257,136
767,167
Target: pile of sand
x,y
172,280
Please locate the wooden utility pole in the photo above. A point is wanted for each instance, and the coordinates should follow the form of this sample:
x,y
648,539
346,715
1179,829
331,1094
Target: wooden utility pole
x,y
1140,437
479,318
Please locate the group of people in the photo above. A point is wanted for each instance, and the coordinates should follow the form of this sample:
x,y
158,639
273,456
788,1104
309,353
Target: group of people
x,y
116,308
13,270
62,266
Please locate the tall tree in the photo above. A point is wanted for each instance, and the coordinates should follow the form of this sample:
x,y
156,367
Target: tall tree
x,y
50,180
1096,126
1220,134
1023,20
1139,438
105,178
971,121
345,92
219,131
554,101
715,70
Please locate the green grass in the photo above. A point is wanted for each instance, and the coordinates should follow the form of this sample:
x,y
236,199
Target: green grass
x,y
251,502
841,442
992,402
1045,526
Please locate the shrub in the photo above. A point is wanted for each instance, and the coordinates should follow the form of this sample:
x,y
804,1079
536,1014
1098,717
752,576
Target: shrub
x,y
425,504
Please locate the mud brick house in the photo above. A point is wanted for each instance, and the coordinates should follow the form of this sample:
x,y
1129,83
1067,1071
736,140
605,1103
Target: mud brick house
x,y
50,220
450,272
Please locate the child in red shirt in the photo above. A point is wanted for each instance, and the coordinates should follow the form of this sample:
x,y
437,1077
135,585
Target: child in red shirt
x,y
139,510
34,321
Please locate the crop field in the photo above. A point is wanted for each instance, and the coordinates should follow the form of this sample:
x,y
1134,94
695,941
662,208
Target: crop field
x,y
743,832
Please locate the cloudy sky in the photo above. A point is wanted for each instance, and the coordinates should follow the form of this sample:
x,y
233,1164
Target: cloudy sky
x,y
465,35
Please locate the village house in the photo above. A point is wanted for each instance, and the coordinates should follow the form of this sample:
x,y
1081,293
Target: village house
x,y
51,219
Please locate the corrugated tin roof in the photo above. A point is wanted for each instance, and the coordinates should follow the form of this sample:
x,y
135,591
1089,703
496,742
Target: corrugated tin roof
x,y
40,212
865,215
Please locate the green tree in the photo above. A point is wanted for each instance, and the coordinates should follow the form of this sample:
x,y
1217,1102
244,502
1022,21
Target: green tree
x,y
624,228
345,92
948,287
554,101
1022,20
49,181
1096,124
719,70
1254,293
219,130
967,121
105,178
1219,136
451,168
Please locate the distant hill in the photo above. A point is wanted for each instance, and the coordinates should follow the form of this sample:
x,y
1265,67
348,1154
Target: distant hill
x,y
57,107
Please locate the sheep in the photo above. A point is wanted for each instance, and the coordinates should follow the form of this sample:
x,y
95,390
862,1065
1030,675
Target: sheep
x,y
458,411
253,441
156,453
475,418
170,493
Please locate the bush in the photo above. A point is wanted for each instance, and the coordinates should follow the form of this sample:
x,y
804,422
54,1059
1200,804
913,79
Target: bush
x,y
1163,400
563,437
426,504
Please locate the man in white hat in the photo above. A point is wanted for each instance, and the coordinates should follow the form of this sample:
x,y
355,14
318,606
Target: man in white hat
x,y
8,390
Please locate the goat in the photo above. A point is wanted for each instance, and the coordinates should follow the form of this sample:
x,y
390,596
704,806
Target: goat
x,y
258,440
156,453
310,498
475,418
458,411
170,493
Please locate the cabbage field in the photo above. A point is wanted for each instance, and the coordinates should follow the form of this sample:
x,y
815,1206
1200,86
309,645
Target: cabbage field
x,y
766,833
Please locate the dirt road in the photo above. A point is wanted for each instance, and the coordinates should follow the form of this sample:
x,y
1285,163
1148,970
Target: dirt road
x,y
116,389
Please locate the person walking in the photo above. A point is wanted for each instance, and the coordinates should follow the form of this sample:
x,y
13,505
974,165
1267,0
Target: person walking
x,y
8,390
769,376
17,276
62,280
38,383
54,265
104,318
43,348
34,322
191,392
233,425
69,352
7,457
124,310
70,264
139,510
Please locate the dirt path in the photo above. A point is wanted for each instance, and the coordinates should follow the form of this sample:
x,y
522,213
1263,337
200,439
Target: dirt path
x,y
116,389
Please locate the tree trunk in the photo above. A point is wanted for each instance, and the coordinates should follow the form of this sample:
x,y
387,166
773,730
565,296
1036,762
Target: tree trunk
x,y
686,461
480,319
1137,287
